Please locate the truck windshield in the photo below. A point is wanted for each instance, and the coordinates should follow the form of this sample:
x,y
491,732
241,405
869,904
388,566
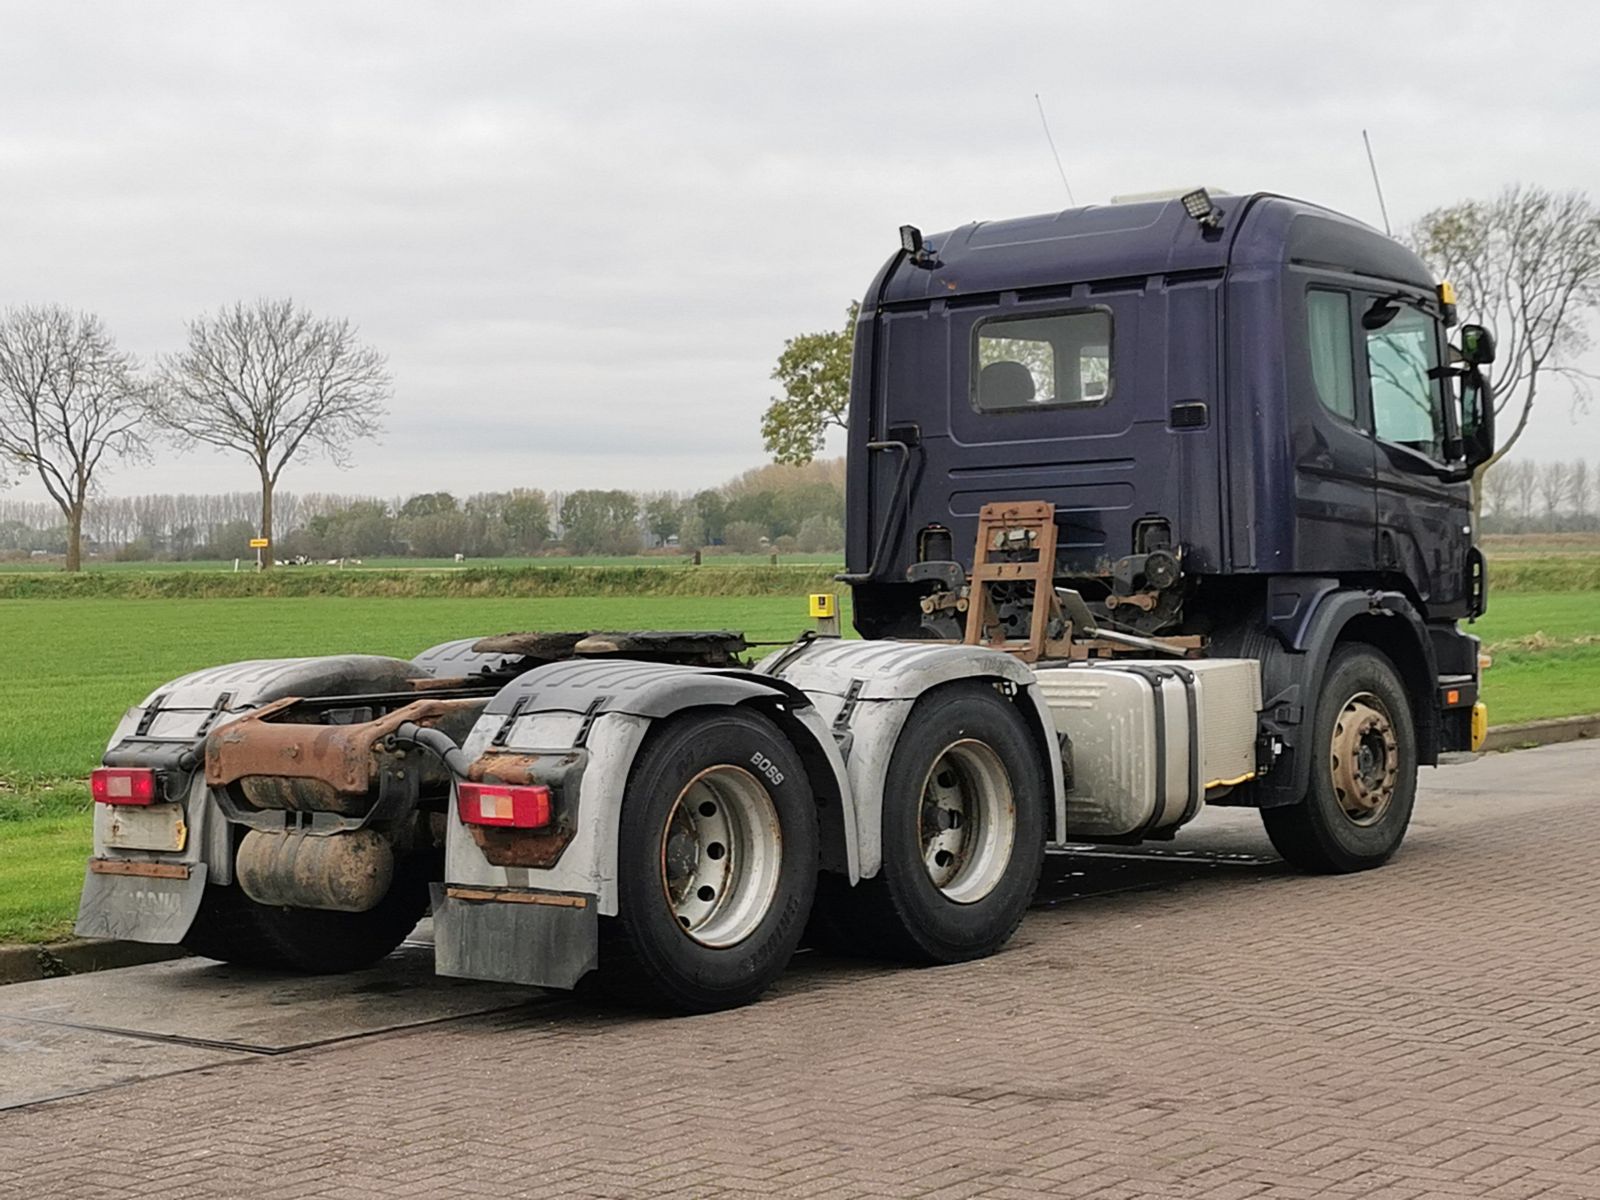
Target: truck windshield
x,y
1407,406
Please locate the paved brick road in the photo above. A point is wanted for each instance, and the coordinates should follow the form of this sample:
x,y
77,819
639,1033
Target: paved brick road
x,y
1429,1030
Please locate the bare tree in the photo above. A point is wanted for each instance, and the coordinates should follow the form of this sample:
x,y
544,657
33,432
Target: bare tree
x,y
1578,476
1497,489
1524,487
68,397
1527,264
1555,489
269,380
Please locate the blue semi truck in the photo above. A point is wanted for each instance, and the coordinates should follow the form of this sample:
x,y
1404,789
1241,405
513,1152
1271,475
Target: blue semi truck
x,y
1150,506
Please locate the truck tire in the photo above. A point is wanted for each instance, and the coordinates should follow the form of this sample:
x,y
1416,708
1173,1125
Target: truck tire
x,y
233,928
716,864
1363,770
963,834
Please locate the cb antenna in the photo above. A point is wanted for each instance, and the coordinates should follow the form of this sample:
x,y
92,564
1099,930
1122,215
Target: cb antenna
x,y
1053,151
1376,186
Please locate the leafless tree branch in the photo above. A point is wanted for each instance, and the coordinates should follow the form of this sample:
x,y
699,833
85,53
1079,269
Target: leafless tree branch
x,y
67,397
269,380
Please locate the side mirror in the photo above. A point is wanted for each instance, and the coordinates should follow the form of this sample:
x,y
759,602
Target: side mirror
x,y
1477,410
1477,345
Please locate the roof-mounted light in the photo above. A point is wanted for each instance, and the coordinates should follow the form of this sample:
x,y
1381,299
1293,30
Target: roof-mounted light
x,y
917,251
1200,207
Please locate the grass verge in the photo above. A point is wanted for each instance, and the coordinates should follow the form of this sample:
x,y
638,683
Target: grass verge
x,y
44,839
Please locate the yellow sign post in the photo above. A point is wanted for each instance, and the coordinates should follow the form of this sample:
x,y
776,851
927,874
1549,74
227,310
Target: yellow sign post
x,y
825,612
258,545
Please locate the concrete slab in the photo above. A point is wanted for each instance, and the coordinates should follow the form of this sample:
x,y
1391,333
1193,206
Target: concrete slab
x,y
48,1062
196,1002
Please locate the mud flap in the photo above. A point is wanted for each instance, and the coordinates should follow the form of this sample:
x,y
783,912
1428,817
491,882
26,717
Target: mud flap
x,y
133,908
543,940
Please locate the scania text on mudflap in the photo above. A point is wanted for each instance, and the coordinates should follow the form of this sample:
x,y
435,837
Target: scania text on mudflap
x,y
1150,507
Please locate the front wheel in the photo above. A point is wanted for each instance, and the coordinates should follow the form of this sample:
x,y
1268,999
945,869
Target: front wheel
x,y
716,864
1363,771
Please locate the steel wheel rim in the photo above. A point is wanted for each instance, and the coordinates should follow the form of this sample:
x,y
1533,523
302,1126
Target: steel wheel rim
x,y
967,823
721,848
1364,759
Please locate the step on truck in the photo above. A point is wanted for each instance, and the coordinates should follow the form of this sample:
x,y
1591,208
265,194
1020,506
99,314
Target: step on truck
x,y
1150,506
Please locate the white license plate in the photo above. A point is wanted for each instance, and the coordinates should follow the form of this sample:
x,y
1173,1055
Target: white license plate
x,y
147,827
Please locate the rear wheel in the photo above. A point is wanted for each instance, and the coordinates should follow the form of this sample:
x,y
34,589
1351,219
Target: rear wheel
x,y
716,864
233,928
1363,771
963,834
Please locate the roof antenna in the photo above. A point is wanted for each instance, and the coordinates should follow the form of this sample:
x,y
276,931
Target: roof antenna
x,y
1053,150
1378,187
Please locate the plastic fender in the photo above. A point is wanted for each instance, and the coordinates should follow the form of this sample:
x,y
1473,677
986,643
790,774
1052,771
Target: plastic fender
x,y
141,910
546,710
254,683
1291,680
886,679
1044,729
841,837
588,866
457,659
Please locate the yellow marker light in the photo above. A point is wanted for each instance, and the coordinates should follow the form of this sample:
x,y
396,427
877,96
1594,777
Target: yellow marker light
x,y
824,604
1447,292
1480,724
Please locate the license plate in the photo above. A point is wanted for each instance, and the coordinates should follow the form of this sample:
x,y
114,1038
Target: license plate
x,y
151,827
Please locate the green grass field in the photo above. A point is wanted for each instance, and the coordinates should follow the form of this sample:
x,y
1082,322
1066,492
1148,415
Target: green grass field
x,y
71,666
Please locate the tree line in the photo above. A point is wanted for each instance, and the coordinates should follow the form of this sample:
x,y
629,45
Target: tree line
x,y
1524,496
768,509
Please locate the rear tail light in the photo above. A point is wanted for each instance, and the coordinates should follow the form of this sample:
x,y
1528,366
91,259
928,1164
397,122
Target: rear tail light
x,y
123,785
512,806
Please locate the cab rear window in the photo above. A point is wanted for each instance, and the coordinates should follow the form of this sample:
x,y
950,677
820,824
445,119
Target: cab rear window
x,y
1056,361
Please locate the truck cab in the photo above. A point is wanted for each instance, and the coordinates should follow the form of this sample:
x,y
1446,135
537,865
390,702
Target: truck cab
x,y
1240,407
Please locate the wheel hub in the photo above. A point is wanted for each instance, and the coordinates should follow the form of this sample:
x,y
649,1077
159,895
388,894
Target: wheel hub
x,y
967,822
1364,759
720,852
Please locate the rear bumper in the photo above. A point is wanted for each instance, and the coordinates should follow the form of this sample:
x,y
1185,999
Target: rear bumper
x,y
515,935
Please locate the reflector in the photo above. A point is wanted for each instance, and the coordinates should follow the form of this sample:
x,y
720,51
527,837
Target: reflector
x,y
123,785
513,806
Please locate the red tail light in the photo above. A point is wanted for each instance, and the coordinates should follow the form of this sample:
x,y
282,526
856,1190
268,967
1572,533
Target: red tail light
x,y
123,785
515,807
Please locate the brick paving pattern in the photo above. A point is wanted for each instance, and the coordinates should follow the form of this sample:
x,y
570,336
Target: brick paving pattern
x,y
1429,1030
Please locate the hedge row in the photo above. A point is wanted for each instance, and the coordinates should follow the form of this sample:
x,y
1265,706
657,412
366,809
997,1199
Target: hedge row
x,y
1561,573
474,581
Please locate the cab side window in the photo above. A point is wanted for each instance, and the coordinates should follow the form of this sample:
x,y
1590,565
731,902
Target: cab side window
x,y
1332,351
1407,406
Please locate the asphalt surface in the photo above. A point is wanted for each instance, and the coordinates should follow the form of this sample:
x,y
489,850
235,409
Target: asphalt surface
x,y
1189,1019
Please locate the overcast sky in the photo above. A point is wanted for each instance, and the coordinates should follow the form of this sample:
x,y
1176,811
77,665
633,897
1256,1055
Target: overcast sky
x,y
581,232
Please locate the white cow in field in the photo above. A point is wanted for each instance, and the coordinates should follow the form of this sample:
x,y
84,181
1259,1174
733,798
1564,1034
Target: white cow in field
x,y
460,557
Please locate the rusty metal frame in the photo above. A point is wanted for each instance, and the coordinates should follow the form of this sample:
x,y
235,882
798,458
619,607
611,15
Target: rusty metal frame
x,y
144,870
341,756
1033,522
